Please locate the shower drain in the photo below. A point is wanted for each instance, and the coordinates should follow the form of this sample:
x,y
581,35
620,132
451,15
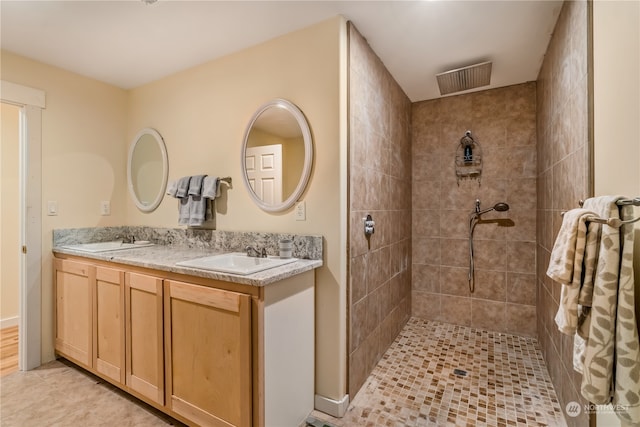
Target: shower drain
x,y
460,372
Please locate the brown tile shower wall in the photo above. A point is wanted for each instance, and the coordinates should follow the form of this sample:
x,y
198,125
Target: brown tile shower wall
x,y
503,121
563,170
380,185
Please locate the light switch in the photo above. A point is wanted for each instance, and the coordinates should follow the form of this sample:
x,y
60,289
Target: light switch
x,y
52,208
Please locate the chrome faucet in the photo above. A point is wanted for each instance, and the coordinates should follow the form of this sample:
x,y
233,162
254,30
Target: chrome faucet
x,y
258,254
127,239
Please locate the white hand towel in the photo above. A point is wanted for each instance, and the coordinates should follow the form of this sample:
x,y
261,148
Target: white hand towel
x,y
210,187
195,185
183,187
197,210
183,211
172,187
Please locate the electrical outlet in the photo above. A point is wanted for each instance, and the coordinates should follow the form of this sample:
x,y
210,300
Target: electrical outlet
x,y
52,208
301,211
105,207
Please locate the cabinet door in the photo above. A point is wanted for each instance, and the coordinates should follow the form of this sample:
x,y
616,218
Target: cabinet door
x,y
144,342
108,309
208,350
73,310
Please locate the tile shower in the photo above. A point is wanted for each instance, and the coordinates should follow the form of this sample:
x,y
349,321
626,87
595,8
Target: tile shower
x,y
563,174
380,185
503,121
534,138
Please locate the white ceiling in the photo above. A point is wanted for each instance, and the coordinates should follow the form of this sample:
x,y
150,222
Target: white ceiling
x,y
129,43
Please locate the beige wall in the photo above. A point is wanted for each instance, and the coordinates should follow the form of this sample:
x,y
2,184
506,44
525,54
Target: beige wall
x,y
616,51
616,55
83,157
202,113
9,214
616,71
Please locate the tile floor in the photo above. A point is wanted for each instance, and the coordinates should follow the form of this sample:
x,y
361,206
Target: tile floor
x,y
415,383
58,394
506,384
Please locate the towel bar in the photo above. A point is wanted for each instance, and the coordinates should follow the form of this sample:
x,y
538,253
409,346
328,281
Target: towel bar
x,y
615,222
621,202
624,202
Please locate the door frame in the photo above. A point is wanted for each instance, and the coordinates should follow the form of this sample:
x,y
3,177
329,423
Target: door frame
x,y
31,102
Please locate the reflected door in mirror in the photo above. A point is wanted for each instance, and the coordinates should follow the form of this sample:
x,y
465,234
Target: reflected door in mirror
x,y
264,172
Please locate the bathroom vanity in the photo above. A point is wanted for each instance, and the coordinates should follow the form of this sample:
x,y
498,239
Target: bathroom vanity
x,y
208,348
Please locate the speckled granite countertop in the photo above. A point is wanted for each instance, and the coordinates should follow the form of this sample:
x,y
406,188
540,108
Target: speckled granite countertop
x,y
164,258
176,245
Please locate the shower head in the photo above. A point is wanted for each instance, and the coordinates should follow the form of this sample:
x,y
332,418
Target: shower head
x,y
500,207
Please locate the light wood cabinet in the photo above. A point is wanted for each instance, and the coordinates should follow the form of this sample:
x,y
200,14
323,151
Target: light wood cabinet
x,y
74,310
208,354
89,316
144,336
108,323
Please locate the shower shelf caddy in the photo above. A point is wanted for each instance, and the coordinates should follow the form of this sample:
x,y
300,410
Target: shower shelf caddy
x,y
468,161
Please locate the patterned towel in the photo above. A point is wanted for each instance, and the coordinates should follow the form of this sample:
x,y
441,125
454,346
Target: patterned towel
x,y
612,344
585,298
565,266
562,262
591,252
627,387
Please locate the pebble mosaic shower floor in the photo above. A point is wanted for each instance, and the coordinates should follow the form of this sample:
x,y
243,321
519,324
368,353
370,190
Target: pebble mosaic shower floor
x,y
438,374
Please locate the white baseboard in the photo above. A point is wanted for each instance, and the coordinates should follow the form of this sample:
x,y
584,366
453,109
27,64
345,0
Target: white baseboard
x,y
335,408
9,322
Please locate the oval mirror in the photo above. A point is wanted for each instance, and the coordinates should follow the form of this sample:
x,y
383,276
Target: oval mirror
x,y
277,155
147,169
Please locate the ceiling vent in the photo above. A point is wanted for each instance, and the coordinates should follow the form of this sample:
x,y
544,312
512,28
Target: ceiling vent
x,y
464,78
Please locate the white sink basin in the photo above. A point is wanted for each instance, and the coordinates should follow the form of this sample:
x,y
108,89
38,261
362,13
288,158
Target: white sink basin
x,y
107,246
236,263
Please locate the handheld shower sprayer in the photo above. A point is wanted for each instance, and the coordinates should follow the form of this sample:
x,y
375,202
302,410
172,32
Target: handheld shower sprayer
x,y
474,218
499,207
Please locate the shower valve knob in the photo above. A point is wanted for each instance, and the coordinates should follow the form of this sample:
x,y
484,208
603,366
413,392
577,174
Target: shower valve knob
x,y
369,225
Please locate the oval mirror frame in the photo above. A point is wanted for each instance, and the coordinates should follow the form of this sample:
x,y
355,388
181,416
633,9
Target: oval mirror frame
x,y
150,206
308,155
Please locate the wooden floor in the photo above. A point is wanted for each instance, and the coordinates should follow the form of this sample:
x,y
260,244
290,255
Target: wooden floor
x,y
8,350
